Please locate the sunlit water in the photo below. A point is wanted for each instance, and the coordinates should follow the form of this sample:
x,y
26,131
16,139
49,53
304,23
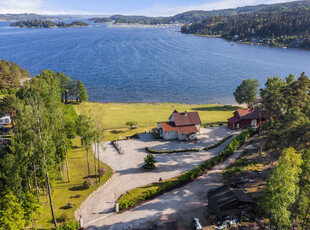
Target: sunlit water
x,y
148,65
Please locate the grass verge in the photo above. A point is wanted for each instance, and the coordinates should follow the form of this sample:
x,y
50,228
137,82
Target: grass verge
x,y
113,116
218,143
170,151
65,192
138,195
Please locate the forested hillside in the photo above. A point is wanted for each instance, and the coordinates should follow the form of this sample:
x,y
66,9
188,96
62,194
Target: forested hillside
x,y
199,15
290,27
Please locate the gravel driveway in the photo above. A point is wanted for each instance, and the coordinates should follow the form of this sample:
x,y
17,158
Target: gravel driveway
x,y
128,168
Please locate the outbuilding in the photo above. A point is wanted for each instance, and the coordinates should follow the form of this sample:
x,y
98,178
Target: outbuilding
x,y
245,118
225,201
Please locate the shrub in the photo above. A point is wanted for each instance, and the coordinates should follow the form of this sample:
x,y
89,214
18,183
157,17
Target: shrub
x,y
102,171
88,183
69,205
149,161
170,151
63,217
136,195
71,225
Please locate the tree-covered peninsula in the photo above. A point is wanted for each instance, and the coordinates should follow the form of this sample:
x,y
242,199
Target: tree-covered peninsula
x,y
289,28
46,24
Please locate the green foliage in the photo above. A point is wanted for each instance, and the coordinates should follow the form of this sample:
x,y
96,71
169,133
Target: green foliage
x,y
10,76
31,206
88,183
71,225
11,213
46,24
131,124
282,189
81,91
288,104
132,197
170,151
149,161
280,26
247,92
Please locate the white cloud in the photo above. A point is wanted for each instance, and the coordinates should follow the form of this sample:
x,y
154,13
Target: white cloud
x,y
37,6
18,6
161,10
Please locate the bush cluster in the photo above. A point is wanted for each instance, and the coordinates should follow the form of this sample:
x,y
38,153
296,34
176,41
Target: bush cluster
x,y
170,151
134,196
217,144
71,225
88,183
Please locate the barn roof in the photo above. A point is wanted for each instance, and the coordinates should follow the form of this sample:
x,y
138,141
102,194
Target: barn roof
x,y
243,114
170,126
186,118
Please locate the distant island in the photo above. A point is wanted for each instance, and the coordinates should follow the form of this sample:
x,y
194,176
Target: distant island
x,y
286,28
46,24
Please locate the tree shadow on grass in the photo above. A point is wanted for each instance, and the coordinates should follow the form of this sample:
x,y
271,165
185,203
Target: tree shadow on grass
x,y
117,131
90,176
218,108
77,188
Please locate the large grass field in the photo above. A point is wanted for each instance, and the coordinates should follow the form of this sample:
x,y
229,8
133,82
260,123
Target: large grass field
x,y
113,116
65,192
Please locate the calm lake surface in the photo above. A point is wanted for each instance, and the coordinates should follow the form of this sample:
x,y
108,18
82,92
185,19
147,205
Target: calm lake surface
x,y
148,65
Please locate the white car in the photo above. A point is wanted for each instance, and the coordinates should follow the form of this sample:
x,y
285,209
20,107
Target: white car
x,y
197,225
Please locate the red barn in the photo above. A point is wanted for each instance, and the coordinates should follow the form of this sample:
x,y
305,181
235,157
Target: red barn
x,y
244,118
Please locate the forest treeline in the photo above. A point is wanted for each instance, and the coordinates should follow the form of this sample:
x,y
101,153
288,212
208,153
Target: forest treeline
x,y
289,27
42,130
286,137
199,15
46,24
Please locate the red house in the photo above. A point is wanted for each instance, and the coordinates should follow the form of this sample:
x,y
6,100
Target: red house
x,y
244,118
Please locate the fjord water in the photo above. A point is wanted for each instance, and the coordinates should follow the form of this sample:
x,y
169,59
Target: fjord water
x,y
148,64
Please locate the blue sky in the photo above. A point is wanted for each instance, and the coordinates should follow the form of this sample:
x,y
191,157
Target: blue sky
x,y
109,7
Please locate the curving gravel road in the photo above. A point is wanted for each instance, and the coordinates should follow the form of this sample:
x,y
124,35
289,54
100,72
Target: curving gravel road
x,y
99,208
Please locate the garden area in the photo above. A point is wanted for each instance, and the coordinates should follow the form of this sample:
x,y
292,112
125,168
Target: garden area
x,y
68,196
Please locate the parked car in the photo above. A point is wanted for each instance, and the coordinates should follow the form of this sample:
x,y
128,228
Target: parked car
x,y
197,225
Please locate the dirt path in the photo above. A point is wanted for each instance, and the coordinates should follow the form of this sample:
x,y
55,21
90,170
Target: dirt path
x,y
173,210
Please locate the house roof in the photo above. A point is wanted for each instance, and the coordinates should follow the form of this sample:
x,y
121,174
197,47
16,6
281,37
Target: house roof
x,y
242,114
224,195
186,118
170,126
234,119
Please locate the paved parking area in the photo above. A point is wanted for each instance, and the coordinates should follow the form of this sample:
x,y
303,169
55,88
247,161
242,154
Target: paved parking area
x,y
128,170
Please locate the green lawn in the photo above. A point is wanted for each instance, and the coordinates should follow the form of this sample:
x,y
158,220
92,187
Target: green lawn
x,y
113,116
66,192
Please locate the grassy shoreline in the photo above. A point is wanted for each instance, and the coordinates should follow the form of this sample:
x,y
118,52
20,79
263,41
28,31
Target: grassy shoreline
x,y
112,117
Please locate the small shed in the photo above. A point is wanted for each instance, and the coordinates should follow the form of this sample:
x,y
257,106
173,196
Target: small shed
x,y
225,201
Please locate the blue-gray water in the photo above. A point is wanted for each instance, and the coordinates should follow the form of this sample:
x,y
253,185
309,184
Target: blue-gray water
x,y
148,65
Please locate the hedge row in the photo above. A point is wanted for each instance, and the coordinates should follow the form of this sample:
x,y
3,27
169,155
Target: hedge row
x,y
217,144
170,151
132,197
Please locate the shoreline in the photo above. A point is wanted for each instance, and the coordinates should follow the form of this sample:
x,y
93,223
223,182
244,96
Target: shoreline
x,y
142,26
247,43
166,103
